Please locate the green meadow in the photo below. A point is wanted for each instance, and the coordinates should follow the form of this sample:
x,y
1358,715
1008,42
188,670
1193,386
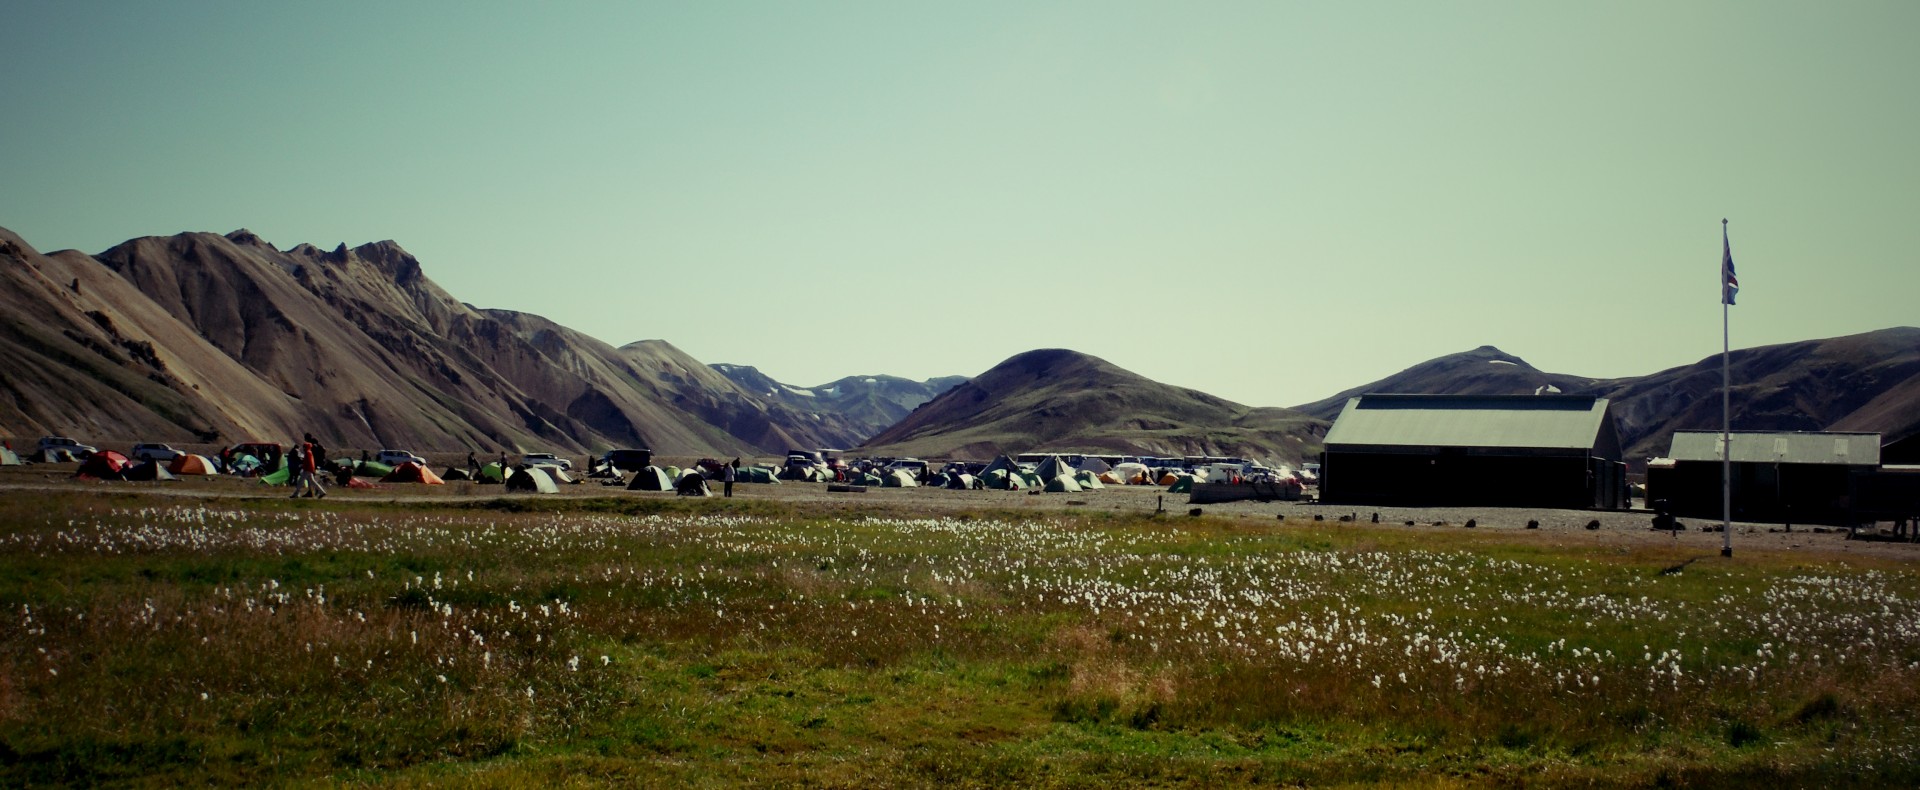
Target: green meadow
x,y
720,643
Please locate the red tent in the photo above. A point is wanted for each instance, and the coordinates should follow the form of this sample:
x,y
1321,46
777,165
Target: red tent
x,y
411,472
104,465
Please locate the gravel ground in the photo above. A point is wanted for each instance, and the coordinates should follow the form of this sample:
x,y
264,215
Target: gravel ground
x,y
1620,530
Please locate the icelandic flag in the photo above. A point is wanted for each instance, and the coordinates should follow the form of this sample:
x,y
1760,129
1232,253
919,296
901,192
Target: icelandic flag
x,y
1729,284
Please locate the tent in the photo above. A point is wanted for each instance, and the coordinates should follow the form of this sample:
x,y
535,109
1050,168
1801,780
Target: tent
x,y
692,484
8,457
1169,478
533,479
455,473
1004,480
959,481
151,470
1182,484
372,469
1053,467
356,482
1088,480
559,475
1001,464
54,456
279,475
1063,484
493,473
243,464
863,479
1094,465
1111,478
104,465
898,478
809,474
1133,473
411,472
190,464
755,474
651,478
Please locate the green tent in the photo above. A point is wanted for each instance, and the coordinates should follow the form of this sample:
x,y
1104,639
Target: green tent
x,y
493,473
898,478
8,457
1054,466
1005,480
864,479
1088,480
1032,480
371,469
1182,484
280,475
755,474
673,472
1063,485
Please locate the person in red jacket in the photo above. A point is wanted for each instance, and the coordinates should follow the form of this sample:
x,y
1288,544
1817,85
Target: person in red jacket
x,y
306,469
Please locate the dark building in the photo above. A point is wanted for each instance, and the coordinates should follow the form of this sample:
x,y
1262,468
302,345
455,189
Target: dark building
x,y
1787,477
1903,452
1559,451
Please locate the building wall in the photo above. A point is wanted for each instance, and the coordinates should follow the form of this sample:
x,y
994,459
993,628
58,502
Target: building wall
x,y
1451,477
1767,493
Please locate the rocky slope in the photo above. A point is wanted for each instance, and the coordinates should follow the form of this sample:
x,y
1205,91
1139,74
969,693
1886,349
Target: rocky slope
x,y
1062,400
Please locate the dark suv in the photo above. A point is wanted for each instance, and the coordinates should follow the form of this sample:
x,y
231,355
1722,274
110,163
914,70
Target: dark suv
x,y
629,460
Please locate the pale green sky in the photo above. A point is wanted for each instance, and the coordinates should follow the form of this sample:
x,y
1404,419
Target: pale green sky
x,y
1267,201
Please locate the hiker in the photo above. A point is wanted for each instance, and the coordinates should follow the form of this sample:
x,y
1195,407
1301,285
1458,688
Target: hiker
x,y
309,480
727,473
319,452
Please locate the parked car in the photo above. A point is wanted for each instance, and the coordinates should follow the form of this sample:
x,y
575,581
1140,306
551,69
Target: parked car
x,y
153,452
398,457
69,445
628,460
547,459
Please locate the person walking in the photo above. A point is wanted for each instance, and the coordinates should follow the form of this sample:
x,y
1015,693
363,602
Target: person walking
x,y
727,473
310,484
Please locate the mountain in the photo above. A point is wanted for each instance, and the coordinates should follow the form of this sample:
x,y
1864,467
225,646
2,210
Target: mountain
x,y
851,409
1055,399
1865,382
1483,371
222,338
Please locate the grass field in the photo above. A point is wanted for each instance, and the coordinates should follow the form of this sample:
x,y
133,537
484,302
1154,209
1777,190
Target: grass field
x,y
713,643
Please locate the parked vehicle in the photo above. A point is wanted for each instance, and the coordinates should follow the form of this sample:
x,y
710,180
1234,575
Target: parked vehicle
x,y
69,445
547,459
153,452
628,460
398,457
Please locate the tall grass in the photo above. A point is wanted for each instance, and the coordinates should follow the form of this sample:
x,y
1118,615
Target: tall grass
x,y
247,644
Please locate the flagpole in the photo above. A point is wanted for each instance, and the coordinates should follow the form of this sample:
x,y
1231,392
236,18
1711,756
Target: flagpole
x,y
1726,420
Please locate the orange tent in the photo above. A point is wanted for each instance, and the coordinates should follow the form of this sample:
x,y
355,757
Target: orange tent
x,y
411,472
190,464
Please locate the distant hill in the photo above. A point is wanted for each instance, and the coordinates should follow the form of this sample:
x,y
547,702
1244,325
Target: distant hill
x,y
1865,382
1067,401
224,338
851,409
1483,371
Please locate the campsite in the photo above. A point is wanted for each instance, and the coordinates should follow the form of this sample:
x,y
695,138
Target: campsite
x,y
424,634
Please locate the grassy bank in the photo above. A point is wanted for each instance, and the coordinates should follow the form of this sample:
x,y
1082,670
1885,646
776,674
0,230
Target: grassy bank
x,y
719,643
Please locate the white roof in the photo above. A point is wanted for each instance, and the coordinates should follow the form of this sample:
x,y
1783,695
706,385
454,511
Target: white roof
x,y
1781,447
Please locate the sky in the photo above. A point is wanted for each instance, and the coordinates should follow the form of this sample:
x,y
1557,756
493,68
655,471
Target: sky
x,y
1268,201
